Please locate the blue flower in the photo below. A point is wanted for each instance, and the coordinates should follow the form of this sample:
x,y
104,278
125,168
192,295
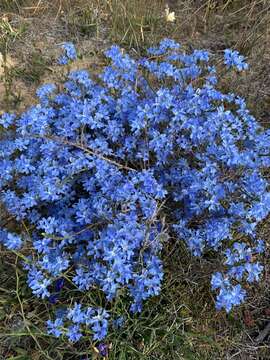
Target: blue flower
x,y
254,271
237,272
164,46
7,120
70,53
76,314
54,262
38,282
73,333
44,91
99,324
55,327
229,297
234,59
218,281
260,247
11,241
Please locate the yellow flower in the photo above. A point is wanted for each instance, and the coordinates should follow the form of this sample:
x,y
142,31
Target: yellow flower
x,y
170,16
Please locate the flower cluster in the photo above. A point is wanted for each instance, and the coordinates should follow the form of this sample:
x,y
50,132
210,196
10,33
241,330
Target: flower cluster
x,y
76,320
70,53
234,59
95,169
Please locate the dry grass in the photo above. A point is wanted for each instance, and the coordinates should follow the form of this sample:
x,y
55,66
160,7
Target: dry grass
x,y
182,323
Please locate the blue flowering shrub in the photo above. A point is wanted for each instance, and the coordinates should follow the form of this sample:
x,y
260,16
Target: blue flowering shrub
x,y
105,169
